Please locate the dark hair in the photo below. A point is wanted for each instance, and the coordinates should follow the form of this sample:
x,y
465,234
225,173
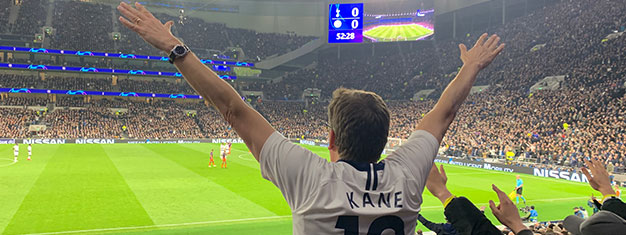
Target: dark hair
x,y
532,207
360,120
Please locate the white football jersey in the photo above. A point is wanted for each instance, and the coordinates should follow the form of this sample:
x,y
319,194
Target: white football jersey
x,y
349,197
16,148
30,149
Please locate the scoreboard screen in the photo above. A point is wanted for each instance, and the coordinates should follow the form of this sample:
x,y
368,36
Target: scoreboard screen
x,y
345,23
381,21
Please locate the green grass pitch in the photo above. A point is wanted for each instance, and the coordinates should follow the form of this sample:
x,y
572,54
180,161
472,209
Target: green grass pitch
x,y
398,33
168,188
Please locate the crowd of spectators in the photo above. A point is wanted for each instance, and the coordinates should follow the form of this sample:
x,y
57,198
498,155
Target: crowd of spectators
x,y
30,18
258,45
14,122
213,125
165,85
161,123
82,26
155,86
81,123
583,117
54,82
23,101
5,7
88,26
573,33
297,119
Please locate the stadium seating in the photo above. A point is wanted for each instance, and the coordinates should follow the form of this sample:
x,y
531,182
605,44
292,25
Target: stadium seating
x,y
31,17
507,117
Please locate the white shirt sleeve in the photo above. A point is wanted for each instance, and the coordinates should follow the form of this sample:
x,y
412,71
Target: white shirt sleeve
x,y
417,154
296,171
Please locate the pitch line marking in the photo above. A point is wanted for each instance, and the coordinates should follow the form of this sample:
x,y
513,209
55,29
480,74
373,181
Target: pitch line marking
x,y
241,220
247,159
6,165
166,225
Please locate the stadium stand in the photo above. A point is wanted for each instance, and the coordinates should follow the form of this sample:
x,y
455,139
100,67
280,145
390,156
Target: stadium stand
x,y
30,19
584,116
532,122
82,26
4,15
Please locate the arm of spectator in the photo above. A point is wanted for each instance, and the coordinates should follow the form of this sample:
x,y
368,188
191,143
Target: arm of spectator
x,y
435,227
248,123
599,180
480,56
459,211
507,213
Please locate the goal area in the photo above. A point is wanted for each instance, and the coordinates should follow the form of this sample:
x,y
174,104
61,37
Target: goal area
x,y
392,145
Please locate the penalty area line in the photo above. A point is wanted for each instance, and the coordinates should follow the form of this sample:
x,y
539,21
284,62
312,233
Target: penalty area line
x,y
247,159
166,225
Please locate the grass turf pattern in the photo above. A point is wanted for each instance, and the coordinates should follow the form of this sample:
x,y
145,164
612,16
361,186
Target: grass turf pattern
x,y
389,33
169,188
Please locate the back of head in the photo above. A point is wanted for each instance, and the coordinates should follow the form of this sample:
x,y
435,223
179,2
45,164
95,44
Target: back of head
x,y
360,120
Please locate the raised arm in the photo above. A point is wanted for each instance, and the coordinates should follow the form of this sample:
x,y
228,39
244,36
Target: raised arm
x,y
463,214
249,124
480,56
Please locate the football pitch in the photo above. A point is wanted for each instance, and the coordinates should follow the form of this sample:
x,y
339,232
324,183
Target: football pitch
x,y
389,33
169,189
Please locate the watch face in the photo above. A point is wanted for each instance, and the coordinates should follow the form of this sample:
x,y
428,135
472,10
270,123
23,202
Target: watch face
x,y
179,50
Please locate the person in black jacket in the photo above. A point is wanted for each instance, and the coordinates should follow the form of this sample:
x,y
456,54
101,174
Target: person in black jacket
x,y
611,219
438,228
464,215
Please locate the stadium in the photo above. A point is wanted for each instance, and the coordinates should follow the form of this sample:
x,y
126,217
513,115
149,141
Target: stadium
x,y
236,122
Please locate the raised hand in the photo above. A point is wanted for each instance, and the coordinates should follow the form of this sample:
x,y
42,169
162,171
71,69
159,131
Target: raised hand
x,y
154,32
506,212
483,52
436,183
599,177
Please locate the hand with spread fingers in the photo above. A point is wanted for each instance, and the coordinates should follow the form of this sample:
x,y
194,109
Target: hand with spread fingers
x,y
599,177
484,51
436,183
506,212
140,20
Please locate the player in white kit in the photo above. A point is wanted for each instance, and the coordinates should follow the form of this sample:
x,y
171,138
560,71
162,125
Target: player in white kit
x,y
30,151
223,155
16,152
354,193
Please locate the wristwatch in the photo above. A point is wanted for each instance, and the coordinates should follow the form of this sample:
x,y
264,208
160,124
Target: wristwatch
x,y
178,51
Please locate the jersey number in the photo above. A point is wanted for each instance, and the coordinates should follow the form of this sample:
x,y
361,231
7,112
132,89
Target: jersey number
x,y
351,225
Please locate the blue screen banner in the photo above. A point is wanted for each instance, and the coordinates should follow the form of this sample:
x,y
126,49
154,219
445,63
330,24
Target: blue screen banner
x,y
99,70
98,93
117,55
